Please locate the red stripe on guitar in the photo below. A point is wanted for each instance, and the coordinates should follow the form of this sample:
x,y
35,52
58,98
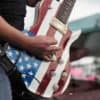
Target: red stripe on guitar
x,y
52,67
46,79
63,80
42,12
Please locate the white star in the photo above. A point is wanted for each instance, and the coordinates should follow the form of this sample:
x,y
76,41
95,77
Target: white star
x,y
16,52
20,60
30,73
13,61
9,47
10,54
29,66
21,68
24,75
35,65
26,83
26,58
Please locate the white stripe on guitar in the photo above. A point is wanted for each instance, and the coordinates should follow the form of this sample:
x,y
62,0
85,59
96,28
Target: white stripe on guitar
x,y
46,22
44,66
76,34
65,57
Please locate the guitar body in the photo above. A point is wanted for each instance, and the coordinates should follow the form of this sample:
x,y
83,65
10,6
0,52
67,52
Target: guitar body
x,y
43,78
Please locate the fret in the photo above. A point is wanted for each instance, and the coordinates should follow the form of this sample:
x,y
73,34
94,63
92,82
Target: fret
x,y
65,10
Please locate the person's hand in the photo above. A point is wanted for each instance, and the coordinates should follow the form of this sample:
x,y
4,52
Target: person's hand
x,y
42,47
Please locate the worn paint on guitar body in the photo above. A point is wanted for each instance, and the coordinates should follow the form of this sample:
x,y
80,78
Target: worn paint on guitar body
x,y
43,78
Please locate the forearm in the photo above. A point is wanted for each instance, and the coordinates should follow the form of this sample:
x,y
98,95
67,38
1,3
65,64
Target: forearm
x,y
11,35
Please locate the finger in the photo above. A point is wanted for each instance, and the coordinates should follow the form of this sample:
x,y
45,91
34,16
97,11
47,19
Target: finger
x,y
51,57
52,41
47,58
53,49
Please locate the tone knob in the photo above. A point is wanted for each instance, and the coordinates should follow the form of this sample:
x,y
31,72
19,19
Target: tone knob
x,y
55,87
64,74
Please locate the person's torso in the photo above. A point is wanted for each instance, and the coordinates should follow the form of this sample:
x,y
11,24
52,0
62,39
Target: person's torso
x,y
14,12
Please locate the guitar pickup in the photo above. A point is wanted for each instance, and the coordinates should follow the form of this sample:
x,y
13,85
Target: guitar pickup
x,y
57,24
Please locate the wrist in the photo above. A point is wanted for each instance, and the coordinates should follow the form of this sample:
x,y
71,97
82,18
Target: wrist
x,y
28,43
25,42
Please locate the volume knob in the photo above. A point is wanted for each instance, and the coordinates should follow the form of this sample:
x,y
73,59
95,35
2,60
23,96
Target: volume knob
x,y
55,87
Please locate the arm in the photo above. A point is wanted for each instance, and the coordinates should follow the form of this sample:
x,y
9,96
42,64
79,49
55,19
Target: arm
x,y
11,35
38,45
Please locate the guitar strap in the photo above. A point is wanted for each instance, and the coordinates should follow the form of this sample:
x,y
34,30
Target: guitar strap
x,y
6,64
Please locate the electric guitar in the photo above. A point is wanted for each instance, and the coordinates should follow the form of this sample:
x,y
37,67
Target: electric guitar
x,y
43,78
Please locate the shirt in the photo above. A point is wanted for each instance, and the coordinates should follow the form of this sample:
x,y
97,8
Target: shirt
x,y
13,11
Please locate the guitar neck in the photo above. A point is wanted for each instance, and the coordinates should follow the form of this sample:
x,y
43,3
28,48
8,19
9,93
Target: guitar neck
x,y
65,10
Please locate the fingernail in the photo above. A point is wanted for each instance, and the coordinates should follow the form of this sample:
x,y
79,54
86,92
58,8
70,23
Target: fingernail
x,y
54,58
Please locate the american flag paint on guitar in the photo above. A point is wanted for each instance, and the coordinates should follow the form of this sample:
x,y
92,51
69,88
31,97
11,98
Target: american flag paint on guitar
x,y
47,79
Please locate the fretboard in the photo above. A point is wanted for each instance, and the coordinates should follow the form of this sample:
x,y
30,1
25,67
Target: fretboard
x,y
65,10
